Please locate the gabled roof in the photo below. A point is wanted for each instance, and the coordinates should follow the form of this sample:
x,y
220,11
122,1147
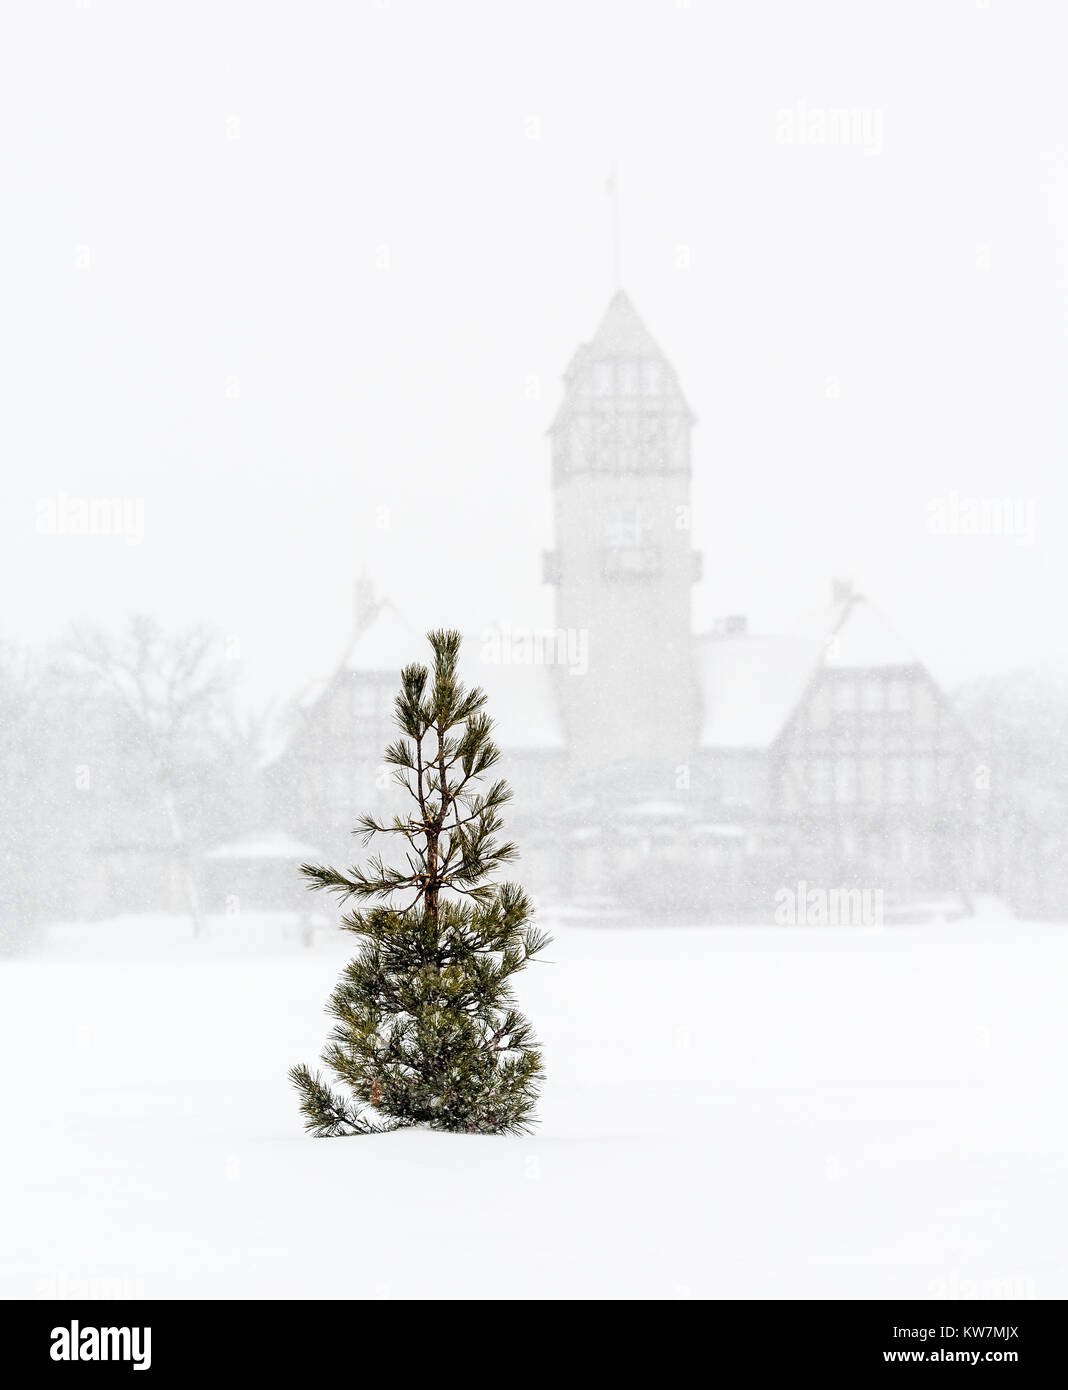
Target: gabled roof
x,y
857,636
385,643
621,335
521,701
750,686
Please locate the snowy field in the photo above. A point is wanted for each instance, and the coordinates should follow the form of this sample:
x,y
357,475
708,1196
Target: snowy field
x,y
730,1113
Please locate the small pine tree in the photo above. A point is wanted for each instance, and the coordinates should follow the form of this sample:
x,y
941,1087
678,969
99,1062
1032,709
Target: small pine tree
x,y
426,1031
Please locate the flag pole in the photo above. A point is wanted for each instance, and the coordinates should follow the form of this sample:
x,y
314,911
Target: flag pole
x,y
617,228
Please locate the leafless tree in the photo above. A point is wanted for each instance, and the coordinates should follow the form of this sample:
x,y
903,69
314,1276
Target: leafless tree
x,y
173,690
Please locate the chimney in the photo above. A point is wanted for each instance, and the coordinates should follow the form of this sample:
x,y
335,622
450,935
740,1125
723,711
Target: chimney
x,y
841,590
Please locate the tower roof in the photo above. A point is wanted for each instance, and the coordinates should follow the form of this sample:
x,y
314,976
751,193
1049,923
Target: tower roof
x,y
621,332
621,336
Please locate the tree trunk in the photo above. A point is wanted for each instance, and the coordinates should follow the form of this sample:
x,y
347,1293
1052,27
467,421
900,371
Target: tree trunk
x,y
184,867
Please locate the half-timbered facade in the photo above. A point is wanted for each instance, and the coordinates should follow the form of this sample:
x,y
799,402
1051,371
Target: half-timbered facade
x,y
654,766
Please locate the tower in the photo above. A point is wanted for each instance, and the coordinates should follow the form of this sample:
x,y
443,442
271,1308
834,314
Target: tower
x,y
623,564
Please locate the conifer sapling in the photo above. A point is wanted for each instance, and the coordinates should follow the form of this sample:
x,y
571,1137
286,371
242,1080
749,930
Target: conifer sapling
x,y
425,1026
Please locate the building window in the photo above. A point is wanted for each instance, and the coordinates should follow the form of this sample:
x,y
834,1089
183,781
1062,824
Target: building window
x,y
365,744
925,786
897,780
632,528
899,696
340,710
819,708
872,695
364,699
738,784
602,379
819,781
651,379
844,696
845,781
871,781
605,440
926,708
627,378
653,442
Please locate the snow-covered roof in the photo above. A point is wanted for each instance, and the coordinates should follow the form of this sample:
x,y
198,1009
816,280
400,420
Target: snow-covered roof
x,y
276,740
265,844
621,333
865,639
857,636
386,643
750,685
312,692
522,701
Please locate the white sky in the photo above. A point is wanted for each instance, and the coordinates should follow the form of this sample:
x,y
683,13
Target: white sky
x,y
930,278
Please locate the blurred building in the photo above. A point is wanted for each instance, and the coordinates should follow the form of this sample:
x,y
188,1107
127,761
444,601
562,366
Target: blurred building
x,y
655,767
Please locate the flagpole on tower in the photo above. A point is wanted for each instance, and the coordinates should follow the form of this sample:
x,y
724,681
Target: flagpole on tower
x,y
612,189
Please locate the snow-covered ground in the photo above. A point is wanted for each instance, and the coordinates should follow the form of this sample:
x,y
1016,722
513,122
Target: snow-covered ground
x,y
780,1112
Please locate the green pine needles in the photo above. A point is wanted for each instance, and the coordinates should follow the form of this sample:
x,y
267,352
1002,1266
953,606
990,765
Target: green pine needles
x,y
425,1026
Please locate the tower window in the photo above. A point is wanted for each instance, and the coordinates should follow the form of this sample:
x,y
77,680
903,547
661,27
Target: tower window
x,y
818,781
651,379
605,441
653,442
602,379
629,529
629,547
